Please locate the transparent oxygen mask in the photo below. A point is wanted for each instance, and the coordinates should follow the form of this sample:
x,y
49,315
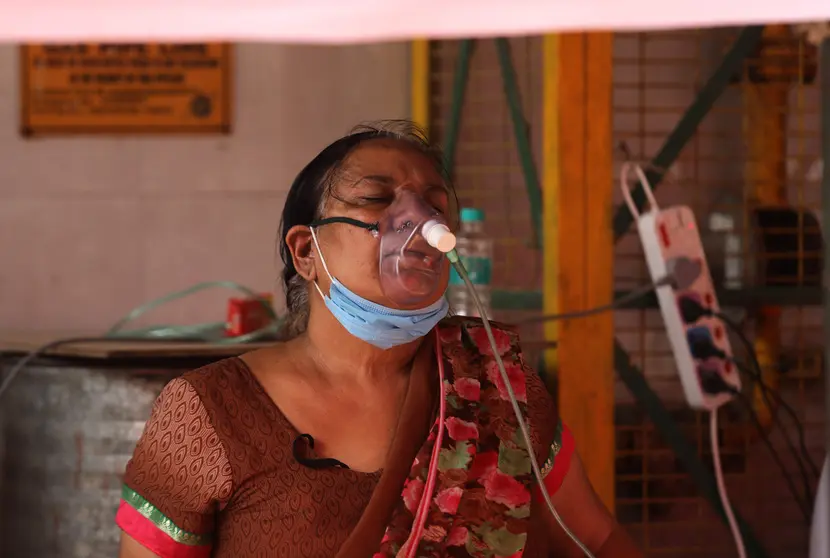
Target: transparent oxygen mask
x,y
414,238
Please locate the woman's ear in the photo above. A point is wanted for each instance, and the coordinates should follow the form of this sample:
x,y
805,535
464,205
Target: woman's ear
x,y
301,245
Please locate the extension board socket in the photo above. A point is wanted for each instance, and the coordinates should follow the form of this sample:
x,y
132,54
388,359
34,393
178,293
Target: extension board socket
x,y
671,233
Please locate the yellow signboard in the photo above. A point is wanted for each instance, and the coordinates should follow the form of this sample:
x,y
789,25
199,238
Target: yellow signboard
x,y
126,88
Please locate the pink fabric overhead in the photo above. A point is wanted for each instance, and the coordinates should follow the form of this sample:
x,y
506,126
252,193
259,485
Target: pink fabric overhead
x,y
348,21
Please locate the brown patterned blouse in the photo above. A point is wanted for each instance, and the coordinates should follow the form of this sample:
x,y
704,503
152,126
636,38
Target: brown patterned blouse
x,y
215,474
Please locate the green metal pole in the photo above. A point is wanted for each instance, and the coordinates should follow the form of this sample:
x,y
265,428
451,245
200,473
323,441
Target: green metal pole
x,y
688,124
672,435
522,135
459,87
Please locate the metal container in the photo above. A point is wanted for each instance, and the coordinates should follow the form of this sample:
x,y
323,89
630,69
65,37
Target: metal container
x,y
68,434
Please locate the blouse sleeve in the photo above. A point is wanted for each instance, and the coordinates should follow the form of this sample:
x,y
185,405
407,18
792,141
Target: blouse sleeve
x,y
177,479
559,459
555,449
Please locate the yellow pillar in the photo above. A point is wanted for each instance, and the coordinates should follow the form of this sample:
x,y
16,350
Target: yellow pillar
x,y
765,124
419,83
579,241
550,197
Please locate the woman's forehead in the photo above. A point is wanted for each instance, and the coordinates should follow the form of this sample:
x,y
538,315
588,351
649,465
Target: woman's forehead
x,y
381,165
395,159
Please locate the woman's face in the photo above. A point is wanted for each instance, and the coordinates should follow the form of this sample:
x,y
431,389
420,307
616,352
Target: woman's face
x,y
373,176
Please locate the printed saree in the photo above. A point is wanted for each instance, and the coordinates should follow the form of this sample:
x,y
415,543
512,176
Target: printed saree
x,y
456,485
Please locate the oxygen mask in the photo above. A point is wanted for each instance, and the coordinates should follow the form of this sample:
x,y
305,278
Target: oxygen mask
x,y
413,240
414,237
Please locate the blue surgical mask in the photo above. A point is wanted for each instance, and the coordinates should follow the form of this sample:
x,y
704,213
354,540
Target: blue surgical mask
x,y
374,323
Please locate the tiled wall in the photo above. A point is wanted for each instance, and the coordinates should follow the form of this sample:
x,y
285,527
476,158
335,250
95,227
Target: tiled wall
x,y
92,227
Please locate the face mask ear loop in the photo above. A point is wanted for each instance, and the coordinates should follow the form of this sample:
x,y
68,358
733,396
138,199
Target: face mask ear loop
x,y
322,260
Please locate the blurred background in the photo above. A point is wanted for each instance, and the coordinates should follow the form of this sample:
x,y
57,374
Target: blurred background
x,y
118,189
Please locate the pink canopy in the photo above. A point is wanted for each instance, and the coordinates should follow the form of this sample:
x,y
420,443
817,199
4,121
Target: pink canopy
x,y
347,21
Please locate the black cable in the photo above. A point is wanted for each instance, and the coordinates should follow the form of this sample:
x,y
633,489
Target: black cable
x,y
692,311
766,390
625,299
683,272
715,384
755,374
804,506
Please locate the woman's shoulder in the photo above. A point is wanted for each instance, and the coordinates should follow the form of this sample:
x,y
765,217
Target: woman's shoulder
x,y
199,398
191,389
225,392
221,373
222,408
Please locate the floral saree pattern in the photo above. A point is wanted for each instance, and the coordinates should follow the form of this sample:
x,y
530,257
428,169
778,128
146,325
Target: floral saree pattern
x,y
480,507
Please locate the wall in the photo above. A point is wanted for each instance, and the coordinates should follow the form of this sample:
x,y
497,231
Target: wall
x,y
90,228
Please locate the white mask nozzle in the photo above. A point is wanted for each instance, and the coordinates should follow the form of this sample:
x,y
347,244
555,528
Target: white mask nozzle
x,y
439,236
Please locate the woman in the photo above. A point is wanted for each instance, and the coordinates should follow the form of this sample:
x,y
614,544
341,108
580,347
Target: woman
x,y
374,431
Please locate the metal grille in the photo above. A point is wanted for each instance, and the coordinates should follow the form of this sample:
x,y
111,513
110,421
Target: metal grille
x,y
656,77
487,171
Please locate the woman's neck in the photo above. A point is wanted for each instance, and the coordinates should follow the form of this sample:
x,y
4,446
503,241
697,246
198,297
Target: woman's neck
x,y
340,355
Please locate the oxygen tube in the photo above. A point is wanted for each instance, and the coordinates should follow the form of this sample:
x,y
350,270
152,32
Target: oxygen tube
x,y
440,237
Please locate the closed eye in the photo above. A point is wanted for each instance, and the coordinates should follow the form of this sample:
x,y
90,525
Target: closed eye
x,y
376,199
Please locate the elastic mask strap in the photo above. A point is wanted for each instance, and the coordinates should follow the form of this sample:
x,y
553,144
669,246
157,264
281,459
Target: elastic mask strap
x,y
322,260
372,227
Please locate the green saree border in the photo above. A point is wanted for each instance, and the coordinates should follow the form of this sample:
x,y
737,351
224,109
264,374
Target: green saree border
x,y
161,521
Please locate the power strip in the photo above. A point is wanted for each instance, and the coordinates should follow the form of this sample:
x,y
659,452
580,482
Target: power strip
x,y
668,234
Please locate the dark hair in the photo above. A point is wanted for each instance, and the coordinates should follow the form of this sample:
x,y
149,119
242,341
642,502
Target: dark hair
x,y
311,189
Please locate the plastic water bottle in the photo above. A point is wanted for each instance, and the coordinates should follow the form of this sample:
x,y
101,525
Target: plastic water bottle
x,y
475,250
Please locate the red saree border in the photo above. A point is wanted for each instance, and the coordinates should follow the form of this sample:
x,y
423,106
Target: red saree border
x,y
554,479
149,535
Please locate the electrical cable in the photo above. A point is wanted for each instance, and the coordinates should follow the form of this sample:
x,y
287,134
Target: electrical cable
x,y
684,272
803,505
724,497
625,299
692,311
766,390
537,472
714,384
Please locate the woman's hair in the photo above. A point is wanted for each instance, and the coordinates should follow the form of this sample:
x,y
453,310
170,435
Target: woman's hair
x,y
313,187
